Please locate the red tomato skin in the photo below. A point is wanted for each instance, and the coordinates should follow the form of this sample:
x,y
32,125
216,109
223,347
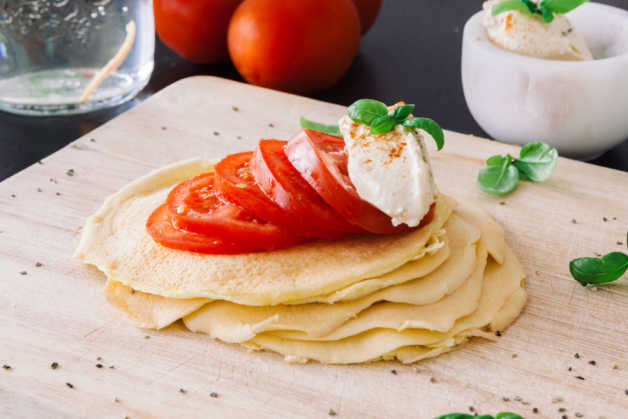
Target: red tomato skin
x,y
161,228
298,46
368,11
208,215
326,172
282,183
195,29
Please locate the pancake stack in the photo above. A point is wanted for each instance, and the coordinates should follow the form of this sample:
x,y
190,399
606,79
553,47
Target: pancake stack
x,y
408,297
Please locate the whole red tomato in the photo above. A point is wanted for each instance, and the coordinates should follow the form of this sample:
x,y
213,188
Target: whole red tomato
x,y
299,46
195,29
368,10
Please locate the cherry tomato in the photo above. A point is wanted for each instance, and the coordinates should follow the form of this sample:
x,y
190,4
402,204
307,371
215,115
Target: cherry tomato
x,y
299,46
281,182
162,230
368,11
195,29
321,160
196,207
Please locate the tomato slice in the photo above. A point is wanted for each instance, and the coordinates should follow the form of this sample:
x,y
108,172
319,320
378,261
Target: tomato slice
x,y
235,183
196,207
161,228
321,160
282,183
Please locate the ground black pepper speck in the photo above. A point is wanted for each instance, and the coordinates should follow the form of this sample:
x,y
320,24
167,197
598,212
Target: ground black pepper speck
x,y
216,133
577,355
498,334
578,415
182,391
213,395
569,369
471,409
39,264
579,377
235,108
54,365
98,365
573,221
535,410
69,385
432,380
592,362
6,367
332,412
70,172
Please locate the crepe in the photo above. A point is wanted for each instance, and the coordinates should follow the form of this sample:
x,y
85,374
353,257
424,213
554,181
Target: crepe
x,y
407,297
115,240
237,323
500,283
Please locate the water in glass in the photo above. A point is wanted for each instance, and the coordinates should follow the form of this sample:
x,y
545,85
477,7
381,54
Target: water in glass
x,y
50,51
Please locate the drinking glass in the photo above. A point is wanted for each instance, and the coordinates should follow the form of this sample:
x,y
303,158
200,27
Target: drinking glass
x,y
73,56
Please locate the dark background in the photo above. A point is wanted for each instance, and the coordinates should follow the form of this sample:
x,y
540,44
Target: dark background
x,y
412,53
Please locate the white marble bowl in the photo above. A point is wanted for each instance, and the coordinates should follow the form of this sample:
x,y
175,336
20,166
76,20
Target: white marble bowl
x,y
579,107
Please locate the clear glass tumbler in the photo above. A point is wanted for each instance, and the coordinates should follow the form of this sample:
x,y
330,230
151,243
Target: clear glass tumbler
x,y
72,56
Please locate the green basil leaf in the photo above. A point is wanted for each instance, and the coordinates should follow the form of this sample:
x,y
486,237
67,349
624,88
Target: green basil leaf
x,y
562,6
498,180
365,111
383,124
456,416
402,112
430,126
532,6
548,15
537,161
509,5
508,415
498,159
316,126
608,268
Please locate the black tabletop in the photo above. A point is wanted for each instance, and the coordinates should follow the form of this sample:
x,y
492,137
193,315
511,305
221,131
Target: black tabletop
x,y
412,53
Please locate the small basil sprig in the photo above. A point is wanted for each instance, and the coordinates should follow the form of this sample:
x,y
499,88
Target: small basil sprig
x,y
546,8
316,126
501,415
375,114
536,163
595,271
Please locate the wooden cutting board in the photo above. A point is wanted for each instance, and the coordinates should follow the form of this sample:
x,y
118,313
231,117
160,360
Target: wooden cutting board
x,y
56,312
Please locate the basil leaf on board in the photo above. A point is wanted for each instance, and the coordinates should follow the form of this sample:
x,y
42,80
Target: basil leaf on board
x,y
532,6
562,6
498,159
498,180
316,126
590,270
383,124
508,415
430,126
402,112
366,111
537,161
509,5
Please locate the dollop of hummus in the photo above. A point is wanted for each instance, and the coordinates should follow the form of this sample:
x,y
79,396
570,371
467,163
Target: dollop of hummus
x,y
529,35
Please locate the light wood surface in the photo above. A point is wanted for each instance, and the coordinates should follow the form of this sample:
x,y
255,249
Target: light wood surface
x,y
57,312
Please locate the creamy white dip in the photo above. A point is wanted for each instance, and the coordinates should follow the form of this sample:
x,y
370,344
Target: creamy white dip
x,y
391,171
527,34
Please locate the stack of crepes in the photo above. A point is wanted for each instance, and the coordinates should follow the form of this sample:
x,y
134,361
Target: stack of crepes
x,y
409,296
